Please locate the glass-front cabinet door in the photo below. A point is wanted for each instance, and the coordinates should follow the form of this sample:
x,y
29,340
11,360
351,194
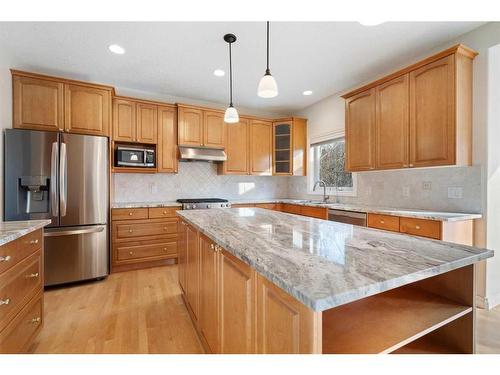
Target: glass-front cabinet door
x,y
282,134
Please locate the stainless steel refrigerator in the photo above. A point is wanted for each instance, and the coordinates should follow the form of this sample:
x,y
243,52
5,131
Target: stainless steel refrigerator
x,y
64,178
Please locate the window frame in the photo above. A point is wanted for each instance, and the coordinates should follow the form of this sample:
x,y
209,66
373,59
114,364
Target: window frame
x,y
310,178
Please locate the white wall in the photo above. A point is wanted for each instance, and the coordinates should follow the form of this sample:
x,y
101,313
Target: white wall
x,y
5,111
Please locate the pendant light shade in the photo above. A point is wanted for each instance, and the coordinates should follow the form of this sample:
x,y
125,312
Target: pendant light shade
x,y
231,115
268,88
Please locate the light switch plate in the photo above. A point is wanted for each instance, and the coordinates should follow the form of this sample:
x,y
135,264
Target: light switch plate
x,y
455,192
427,185
406,191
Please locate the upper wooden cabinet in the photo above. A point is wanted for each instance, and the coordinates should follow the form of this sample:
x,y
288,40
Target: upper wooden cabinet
x,y
420,116
261,159
134,121
360,131
237,149
147,123
214,129
167,139
49,103
38,103
200,127
290,147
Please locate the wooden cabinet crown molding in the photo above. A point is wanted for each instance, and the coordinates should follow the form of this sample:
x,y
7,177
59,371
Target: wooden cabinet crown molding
x,y
456,49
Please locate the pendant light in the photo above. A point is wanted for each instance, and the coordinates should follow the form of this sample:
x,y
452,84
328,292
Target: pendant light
x,y
231,116
267,85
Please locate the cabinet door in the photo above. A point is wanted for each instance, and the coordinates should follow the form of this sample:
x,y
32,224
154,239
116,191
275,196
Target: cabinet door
x,y
214,129
147,123
261,149
392,123
37,104
182,249
284,325
190,126
208,318
283,148
432,109
192,270
237,306
237,148
360,131
87,110
167,140
124,120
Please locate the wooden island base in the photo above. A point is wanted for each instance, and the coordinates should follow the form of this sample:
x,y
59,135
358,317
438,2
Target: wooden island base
x,y
236,310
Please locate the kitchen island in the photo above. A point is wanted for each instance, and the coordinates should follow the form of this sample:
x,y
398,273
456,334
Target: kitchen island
x,y
259,281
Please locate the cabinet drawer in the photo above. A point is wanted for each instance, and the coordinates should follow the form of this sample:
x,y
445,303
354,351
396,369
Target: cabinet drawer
x,y
17,335
386,222
318,212
18,284
291,208
160,212
145,229
146,251
129,213
15,251
421,227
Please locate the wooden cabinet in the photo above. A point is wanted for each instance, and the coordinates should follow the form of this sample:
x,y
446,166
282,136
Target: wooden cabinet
x,y
214,129
360,131
167,161
237,149
392,121
385,222
432,111
261,148
37,103
21,292
209,306
56,104
87,109
182,249
190,126
147,123
143,237
124,120
290,147
193,271
237,305
422,115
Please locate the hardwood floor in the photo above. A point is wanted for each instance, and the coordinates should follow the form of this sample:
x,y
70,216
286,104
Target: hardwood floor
x,y
142,312
130,312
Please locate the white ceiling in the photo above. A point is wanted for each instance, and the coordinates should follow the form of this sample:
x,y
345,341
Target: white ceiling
x,y
178,58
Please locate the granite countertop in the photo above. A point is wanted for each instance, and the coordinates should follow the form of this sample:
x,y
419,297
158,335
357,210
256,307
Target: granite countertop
x,y
145,204
12,230
325,264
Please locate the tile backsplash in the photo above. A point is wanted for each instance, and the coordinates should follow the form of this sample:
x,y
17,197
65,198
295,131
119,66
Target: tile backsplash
x,y
196,180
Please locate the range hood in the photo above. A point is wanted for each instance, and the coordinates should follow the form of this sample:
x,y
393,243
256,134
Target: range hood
x,y
201,153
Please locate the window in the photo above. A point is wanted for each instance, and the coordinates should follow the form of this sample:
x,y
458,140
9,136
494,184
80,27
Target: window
x,y
327,164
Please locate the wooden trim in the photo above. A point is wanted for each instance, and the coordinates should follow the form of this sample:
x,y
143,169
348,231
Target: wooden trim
x,y
145,101
204,108
456,49
141,265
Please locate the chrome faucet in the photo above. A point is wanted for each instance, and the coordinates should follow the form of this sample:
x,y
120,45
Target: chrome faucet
x,y
322,183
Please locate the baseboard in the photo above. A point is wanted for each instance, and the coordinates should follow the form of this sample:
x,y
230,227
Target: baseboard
x,y
489,302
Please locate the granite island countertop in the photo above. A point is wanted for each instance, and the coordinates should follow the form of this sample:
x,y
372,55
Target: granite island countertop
x,y
12,230
325,264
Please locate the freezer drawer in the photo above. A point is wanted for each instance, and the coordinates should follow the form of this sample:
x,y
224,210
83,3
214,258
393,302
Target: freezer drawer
x,y
76,253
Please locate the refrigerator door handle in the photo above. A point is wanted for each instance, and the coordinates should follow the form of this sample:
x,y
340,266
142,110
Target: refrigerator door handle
x,y
53,179
63,178
72,232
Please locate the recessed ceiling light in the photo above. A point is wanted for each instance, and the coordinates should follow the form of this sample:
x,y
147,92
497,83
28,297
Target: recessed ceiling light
x,y
115,48
307,93
371,22
219,73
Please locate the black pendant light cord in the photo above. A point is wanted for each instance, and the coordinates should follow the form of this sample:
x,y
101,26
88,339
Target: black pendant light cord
x,y
267,70
230,78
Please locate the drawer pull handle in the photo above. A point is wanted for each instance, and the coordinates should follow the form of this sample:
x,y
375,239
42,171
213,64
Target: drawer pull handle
x,y
5,259
4,301
130,213
164,249
32,275
130,231
35,320
33,242
131,252
417,226
164,212
382,221
164,228
212,246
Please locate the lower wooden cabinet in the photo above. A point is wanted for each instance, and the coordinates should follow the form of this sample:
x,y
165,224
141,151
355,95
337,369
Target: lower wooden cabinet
x,y
143,237
193,271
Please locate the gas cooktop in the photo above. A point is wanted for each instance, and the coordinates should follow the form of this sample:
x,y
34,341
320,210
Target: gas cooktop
x,y
203,203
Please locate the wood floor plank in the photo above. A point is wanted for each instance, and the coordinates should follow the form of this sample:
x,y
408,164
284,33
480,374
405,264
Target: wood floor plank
x,y
130,312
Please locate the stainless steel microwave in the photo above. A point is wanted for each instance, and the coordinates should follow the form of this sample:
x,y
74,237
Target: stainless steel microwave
x,y
136,156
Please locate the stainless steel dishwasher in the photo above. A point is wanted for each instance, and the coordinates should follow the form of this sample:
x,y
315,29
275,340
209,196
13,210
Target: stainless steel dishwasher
x,y
347,217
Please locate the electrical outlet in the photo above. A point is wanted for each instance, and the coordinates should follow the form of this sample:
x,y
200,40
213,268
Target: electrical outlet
x,y
427,185
406,191
455,192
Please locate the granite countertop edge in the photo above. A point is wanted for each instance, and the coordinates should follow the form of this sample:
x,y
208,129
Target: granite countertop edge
x,y
12,230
